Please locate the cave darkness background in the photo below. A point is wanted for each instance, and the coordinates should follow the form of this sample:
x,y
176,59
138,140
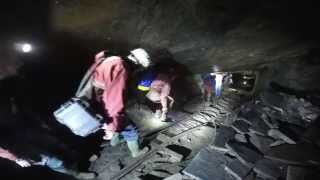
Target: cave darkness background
x,y
278,36
280,39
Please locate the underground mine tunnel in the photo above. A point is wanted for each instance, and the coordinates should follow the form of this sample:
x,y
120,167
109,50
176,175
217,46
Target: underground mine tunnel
x,y
239,80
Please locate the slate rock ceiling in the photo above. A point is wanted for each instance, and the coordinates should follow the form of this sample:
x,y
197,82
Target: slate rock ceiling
x,y
277,37
232,34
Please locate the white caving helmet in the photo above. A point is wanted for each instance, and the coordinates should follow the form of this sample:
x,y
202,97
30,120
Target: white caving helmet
x,y
140,56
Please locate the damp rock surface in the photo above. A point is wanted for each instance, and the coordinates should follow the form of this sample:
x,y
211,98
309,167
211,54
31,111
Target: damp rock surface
x,y
208,163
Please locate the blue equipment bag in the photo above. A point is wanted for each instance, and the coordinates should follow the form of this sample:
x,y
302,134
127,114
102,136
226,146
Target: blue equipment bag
x,y
146,80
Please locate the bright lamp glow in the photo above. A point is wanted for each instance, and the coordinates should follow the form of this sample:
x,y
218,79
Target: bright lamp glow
x,y
26,48
218,86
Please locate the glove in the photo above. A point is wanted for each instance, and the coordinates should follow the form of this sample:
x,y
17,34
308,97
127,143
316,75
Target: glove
x,y
22,163
107,131
43,162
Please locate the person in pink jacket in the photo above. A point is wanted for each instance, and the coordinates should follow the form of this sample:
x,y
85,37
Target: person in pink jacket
x,y
4,153
110,77
160,94
51,162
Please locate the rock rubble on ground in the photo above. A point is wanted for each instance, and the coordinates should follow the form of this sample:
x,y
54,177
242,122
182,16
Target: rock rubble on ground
x,y
274,136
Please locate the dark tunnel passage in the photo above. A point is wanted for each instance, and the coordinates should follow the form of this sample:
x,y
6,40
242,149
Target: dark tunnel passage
x,y
265,52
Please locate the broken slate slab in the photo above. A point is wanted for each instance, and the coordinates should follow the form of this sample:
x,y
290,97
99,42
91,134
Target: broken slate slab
x,y
177,176
277,134
300,173
237,169
246,154
262,143
268,169
294,120
270,122
224,134
174,156
299,154
249,114
159,173
240,138
260,178
312,134
277,143
296,173
241,127
207,163
273,99
250,176
291,130
259,127
244,119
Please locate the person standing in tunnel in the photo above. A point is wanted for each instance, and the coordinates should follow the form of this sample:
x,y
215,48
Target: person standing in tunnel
x,y
208,85
6,154
110,78
219,76
51,162
159,93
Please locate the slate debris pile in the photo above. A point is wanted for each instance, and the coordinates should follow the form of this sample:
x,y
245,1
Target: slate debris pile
x,y
274,137
292,109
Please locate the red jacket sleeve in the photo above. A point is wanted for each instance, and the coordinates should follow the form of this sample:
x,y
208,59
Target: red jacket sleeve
x,y
114,97
7,155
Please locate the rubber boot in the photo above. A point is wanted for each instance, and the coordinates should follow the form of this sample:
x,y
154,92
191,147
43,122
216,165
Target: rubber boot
x,y
163,117
135,149
115,139
157,114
